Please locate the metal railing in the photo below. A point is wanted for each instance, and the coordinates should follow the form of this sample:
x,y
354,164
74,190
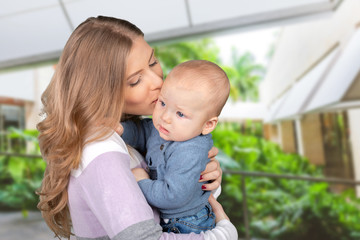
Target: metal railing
x,y
7,142
25,155
245,174
15,146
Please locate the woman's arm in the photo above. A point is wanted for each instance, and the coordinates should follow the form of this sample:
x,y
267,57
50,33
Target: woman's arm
x,y
105,198
224,228
212,172
121,209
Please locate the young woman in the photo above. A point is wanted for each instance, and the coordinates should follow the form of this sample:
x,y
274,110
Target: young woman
x,y
107,72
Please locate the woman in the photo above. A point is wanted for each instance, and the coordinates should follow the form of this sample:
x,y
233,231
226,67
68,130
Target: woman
x,y
107,72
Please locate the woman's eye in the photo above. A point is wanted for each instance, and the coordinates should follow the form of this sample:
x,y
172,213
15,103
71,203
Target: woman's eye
x,y
153,63
180,114
135,83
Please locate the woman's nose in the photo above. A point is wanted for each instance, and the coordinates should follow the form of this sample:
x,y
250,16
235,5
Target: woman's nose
x,y
156,81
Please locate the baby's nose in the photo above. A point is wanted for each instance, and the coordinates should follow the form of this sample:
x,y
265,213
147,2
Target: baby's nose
x,y
166,117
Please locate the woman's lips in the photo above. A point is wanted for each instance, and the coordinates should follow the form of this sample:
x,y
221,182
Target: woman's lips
x,y
154,101
163,130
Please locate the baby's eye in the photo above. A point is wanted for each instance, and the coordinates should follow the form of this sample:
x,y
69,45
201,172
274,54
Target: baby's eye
x,y
180,114
162,103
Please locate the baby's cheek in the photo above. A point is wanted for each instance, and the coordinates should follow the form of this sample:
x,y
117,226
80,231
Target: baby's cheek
x,y
156,115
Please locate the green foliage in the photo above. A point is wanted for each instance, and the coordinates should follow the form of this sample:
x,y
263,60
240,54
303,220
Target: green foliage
x,y
21,176
244,74
173,54
281,208
278,208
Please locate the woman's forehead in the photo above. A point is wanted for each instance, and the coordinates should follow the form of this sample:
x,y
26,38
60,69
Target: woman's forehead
x,y
139,56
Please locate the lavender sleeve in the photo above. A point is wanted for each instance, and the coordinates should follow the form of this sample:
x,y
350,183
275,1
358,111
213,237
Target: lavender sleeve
x,y
111,193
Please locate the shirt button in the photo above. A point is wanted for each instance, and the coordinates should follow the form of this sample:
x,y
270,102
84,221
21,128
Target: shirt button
x,y
162,147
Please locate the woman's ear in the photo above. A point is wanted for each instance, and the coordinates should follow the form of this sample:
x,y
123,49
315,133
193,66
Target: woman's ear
x,y
210,125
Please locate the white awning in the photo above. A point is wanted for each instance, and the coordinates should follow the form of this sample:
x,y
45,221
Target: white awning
x,y
36,30
237,111
18,85
301,92
336,88
274,108
334,84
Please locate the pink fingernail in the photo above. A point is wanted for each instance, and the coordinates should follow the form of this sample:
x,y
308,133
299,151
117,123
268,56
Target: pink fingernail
x,y
203,187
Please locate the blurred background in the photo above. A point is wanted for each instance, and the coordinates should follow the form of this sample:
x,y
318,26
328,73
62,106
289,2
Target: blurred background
x,y
289,136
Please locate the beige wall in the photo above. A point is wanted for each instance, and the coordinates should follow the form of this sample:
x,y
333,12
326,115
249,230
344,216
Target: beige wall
x,y
354,119
267,131
302,45
312,139
288,138
271,133
354,91
42,77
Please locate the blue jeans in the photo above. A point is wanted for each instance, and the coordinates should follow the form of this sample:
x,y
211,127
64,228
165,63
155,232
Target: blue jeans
x,y
201,221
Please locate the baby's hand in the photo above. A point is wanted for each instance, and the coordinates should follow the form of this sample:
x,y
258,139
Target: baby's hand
x,y
140,174
119,129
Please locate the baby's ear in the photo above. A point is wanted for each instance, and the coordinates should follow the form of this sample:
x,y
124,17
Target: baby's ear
x,y
210,125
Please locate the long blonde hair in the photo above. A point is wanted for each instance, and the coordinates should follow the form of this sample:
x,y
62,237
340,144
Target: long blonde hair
x,y
83,101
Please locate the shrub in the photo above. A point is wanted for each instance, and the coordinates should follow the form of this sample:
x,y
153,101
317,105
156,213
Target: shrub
x,y
20,176
281,208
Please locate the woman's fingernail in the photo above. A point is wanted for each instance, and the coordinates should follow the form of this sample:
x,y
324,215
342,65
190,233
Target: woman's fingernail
x,y
201,177
203,187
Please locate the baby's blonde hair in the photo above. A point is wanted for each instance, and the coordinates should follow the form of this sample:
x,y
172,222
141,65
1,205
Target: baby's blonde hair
x,y
202,74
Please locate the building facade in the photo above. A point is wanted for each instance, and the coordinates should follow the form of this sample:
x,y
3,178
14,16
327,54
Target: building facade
x,y
20,96
312,91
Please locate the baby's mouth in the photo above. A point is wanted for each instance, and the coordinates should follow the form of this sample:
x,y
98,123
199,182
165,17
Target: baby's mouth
x,y
163,130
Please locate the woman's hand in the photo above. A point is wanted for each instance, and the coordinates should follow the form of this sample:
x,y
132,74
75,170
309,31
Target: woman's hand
x,y
212,172
140,174
218,209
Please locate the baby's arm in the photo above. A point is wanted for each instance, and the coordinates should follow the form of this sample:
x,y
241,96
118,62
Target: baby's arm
x,y
180,181
136,134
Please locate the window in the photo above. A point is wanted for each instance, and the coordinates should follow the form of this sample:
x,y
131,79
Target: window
x,y
10,116
337,145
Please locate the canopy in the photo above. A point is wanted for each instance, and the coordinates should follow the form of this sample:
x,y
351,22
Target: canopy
x,y
333,84
37,30
341,87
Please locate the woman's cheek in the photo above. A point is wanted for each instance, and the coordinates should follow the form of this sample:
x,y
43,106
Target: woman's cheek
x,y
137,95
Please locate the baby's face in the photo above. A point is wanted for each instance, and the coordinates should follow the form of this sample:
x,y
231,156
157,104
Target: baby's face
x,y
180,114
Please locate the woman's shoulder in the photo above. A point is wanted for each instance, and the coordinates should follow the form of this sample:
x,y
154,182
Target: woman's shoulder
x,y
112,143
91,151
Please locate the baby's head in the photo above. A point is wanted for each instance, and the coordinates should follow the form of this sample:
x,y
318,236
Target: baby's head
x,y
191,100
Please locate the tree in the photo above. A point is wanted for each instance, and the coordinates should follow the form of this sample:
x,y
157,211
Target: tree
x,y
172,54
245,76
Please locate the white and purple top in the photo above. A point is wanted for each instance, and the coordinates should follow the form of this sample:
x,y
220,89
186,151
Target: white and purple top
x,y
106,202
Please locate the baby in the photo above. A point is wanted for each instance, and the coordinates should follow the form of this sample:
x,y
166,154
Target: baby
x,y
177,141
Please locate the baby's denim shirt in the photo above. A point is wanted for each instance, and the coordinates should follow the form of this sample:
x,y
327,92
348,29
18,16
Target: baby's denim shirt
x,y
174,168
